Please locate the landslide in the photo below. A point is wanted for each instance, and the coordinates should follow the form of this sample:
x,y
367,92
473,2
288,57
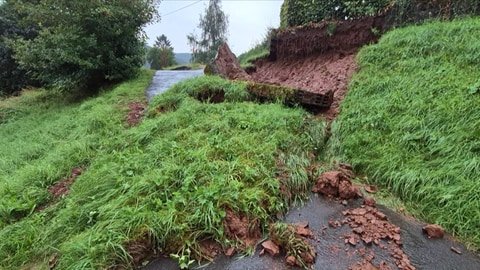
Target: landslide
x,y
317,57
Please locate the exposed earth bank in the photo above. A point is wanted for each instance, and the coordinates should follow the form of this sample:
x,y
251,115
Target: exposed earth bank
x,y
317,57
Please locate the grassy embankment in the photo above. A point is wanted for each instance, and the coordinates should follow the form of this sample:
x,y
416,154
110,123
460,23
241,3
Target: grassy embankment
x,y
411,121
191,66
259,51
166,182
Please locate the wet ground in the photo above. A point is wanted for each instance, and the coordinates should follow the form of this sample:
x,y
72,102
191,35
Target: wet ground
x,y
333,253
164,79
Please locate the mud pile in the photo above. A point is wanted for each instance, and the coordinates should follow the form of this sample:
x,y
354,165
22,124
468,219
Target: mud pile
x,y
319,58
226,65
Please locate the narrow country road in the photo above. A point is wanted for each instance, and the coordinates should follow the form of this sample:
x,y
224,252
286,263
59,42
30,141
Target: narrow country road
x,y
334,254
164,79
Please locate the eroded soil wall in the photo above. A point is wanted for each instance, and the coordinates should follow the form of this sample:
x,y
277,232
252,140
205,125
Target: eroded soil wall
x,y
340,36
318,57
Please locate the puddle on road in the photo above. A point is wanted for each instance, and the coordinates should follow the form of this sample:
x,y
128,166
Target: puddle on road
x,y
164,79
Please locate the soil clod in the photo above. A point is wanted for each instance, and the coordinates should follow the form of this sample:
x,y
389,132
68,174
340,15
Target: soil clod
x,y
271,248
371,189
241,228
336,184
433,231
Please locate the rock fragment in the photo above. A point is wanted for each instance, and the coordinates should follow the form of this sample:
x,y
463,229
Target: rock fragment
x,y
433,231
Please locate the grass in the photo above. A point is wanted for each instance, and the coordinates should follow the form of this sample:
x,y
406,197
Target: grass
x,y
192,66
248,58
166,182
411,121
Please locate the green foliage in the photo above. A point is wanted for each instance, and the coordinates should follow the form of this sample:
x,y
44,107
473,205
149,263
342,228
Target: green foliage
x,y
214,27
12,77
400,12
294,245
259,51
415,11
83,44
168,179
299,12
161,54
411,121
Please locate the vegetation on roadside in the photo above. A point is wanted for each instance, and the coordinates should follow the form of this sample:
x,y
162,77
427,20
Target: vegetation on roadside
x,y
399,12
248,58
411,122
161,54
214,27
164,184
261,50
79,45
12,77
192,66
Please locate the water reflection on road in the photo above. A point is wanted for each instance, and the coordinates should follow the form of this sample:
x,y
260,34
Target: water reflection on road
x,y
164,79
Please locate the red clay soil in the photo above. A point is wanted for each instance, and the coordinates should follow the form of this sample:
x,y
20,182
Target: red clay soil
x,y
62,188
241,228
368,224
135,113
371,226
317,73
226,65
140,250
337,184
317,57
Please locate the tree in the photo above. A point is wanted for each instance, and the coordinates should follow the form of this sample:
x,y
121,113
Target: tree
x,y
12,77
163,42
83,44
214,27
161,55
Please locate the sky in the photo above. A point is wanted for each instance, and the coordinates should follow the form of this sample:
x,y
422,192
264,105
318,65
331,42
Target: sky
x,y
249,20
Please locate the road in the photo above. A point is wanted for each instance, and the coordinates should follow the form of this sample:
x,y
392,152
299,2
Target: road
x,y
164,79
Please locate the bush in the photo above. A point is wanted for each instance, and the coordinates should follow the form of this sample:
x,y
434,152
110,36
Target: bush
x,y
83,44
12,77
299,12
401,12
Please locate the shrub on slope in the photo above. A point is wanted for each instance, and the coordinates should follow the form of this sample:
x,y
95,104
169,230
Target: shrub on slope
x,y
412,121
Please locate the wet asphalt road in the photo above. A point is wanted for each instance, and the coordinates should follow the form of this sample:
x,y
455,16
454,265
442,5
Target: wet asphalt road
x,y
334,254
164,79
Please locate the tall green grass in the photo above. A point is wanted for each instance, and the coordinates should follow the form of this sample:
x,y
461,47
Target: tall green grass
x,y
167,181
411,121
248,58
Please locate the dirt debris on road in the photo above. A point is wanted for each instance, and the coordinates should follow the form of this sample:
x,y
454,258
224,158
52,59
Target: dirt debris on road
x,y
336,184
433,231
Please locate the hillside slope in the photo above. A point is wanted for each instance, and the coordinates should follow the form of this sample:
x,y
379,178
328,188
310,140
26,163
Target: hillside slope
x,y
82,189
411,121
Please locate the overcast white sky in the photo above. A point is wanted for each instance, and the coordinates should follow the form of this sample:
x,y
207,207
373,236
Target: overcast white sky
x,y
249,20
